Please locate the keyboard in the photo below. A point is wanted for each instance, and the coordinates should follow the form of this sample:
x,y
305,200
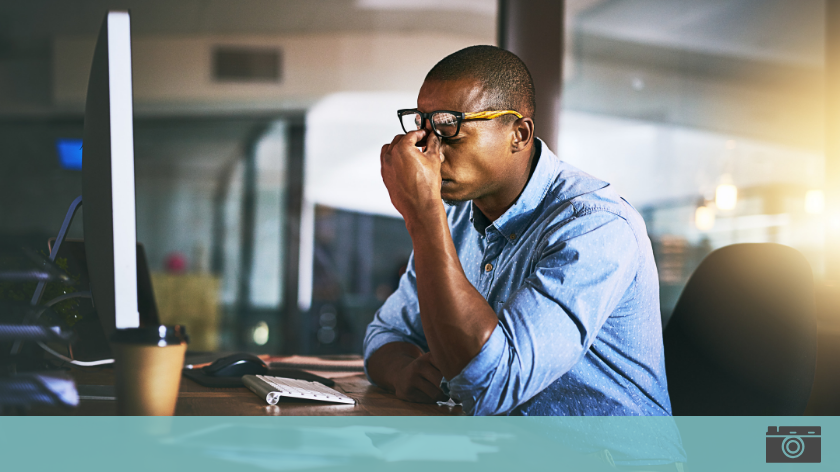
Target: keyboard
x,y
304,389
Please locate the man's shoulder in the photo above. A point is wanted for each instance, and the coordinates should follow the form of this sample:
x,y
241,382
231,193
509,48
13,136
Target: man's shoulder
x,y
585,194
578,203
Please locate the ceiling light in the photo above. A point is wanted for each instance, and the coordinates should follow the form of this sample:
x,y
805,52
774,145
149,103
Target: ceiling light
x,y
726,194
704,218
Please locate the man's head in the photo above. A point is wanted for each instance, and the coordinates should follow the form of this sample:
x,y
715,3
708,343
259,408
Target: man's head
x,y
487,157
506,81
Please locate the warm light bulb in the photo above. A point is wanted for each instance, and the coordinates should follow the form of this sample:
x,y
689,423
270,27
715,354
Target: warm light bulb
x,y
260,334
704,218
726,196
814,202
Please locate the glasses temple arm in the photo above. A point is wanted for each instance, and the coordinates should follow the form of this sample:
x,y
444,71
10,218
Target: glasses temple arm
x,y
489,115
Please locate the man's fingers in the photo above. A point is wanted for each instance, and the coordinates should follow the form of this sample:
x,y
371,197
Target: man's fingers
x,y
422,382
430,373
431,390
433,147
427,368
384,152
414,137
397,139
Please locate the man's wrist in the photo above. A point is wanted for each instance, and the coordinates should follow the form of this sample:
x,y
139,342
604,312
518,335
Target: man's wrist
x,y
386,363
424,221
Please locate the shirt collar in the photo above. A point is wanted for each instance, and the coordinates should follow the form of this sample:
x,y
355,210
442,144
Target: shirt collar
x,y
549,167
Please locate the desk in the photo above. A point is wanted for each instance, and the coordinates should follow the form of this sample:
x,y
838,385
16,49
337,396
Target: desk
x,y
194,399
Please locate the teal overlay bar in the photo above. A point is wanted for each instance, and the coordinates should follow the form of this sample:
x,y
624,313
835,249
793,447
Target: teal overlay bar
x,y
406,443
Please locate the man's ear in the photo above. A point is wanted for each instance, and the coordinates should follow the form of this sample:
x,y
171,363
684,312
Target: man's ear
x,y
523,134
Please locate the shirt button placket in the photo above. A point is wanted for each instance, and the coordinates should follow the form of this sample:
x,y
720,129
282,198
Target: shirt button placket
x,y
491,252
485,275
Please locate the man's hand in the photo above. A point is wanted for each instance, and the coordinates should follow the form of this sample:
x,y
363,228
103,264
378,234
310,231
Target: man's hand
x,y
412,175
419,381
406,370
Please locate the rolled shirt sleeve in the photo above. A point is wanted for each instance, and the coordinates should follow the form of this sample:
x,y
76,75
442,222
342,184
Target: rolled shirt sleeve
x,y
584,269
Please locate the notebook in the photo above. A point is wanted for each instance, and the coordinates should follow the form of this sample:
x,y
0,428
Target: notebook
x,y
348,363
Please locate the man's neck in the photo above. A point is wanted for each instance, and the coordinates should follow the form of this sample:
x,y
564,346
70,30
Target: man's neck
x,y
495,205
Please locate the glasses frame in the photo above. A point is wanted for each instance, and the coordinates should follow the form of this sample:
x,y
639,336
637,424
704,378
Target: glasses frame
x,y
459,116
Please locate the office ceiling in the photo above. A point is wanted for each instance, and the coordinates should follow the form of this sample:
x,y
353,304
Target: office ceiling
x,y
785,31
777,30
27,27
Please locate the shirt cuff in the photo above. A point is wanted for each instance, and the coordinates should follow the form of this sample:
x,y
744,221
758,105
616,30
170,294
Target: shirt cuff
x,y
472,382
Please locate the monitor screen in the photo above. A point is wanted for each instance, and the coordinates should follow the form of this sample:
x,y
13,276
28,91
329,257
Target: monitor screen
x,y
108,177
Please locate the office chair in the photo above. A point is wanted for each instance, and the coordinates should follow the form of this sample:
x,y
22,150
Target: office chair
x,y
742,339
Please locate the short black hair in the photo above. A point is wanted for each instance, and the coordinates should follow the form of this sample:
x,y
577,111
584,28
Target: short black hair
x,y
503,75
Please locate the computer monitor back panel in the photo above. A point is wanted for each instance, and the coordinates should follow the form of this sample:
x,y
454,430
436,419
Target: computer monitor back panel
x,y
108,177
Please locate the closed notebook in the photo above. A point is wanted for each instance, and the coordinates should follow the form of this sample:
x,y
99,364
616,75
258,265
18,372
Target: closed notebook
x,y
342,363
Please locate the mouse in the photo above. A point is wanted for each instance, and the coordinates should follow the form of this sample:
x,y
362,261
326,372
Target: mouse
x,y
236,365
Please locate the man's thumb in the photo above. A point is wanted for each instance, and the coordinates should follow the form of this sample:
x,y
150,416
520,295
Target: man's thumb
x,y
433,147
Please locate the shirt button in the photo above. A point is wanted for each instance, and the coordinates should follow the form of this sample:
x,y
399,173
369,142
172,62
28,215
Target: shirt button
x,y
488,267
512,236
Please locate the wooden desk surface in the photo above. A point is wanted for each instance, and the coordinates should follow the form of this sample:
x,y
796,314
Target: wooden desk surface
x,y
194,399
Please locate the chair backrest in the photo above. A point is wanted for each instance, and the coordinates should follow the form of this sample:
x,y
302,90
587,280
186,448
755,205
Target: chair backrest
x,y
742,339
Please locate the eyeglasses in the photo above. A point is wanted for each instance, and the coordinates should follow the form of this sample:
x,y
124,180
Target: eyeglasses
x,y
445,123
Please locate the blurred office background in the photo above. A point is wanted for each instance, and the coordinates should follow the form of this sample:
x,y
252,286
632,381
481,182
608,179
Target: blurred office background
x,y
258,126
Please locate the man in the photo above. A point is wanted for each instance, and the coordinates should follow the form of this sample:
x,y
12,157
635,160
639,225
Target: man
x,y
535,292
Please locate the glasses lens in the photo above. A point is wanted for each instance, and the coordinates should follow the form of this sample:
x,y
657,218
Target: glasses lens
x,y
410,121
446,124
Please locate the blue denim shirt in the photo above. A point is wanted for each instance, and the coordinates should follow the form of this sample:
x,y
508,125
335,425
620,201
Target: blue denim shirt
x,y
570,273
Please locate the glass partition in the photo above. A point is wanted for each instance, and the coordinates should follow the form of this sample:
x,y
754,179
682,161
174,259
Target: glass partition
x,y
707,116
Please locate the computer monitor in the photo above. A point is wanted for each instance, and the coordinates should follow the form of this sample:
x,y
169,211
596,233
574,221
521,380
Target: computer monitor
x,y
108,177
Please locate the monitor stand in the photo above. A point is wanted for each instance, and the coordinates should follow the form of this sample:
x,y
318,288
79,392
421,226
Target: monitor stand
x,y
62,233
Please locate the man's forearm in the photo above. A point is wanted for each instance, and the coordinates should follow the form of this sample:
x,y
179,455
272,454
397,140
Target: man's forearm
x,y
456,318
384,364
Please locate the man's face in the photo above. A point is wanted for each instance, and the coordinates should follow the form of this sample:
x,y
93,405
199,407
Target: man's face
x,y
478,160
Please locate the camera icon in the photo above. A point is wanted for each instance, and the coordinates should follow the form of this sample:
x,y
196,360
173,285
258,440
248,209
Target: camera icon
x,y
794,444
